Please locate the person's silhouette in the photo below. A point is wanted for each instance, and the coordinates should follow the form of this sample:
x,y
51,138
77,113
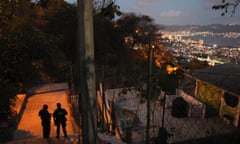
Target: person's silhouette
x,y
60,119
46,118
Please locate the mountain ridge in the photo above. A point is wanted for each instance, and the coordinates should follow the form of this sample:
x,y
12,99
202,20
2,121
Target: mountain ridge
x,y
215,28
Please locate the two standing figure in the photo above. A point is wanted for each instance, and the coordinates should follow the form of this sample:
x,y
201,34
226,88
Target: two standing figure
x,y
59,116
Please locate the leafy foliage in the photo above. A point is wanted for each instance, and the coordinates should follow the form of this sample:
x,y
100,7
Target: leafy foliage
x,y
28,47
106,8
226,5
38,44
136,29
138,33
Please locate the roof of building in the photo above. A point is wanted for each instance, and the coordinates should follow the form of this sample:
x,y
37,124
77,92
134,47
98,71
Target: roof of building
x,y
226,76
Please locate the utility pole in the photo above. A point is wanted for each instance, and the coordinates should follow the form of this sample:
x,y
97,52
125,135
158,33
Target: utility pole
x,y
86,72
149,90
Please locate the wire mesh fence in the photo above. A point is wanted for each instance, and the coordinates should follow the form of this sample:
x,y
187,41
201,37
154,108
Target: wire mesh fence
x,y
183,122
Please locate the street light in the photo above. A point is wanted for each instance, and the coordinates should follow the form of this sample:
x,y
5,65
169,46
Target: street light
x,y
148,35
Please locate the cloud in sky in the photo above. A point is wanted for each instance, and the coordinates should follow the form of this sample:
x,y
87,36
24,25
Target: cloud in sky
x,y
139,5
170,13
147,2
179,11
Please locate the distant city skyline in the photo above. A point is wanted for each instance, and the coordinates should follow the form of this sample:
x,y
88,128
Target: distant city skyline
x,y
178,12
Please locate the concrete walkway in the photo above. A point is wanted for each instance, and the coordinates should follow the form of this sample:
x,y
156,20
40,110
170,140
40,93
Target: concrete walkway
x,y
29,130
29,127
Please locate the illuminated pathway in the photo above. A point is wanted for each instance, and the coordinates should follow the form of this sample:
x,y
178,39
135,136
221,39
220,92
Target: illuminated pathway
x,y
30,124
29,130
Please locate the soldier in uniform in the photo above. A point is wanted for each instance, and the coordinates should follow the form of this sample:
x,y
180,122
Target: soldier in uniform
x,y
60,119
45,118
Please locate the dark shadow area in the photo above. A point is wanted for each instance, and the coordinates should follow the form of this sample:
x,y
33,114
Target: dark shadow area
x,y
49,91
231,138
179,108
211,112
5,134
51,140
21,134
46,88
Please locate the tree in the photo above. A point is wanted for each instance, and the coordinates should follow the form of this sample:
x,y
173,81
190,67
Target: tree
x,y
136,29
139,32
28,47
227,5
43,3
107,8
13,19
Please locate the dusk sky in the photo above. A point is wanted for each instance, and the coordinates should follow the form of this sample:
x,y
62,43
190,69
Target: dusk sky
x,y
181,12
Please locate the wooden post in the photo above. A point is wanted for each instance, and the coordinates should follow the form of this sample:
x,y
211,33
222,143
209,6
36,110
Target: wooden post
x,y
86,70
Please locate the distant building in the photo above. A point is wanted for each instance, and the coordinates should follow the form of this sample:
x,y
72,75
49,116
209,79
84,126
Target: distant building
x,y
219,88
